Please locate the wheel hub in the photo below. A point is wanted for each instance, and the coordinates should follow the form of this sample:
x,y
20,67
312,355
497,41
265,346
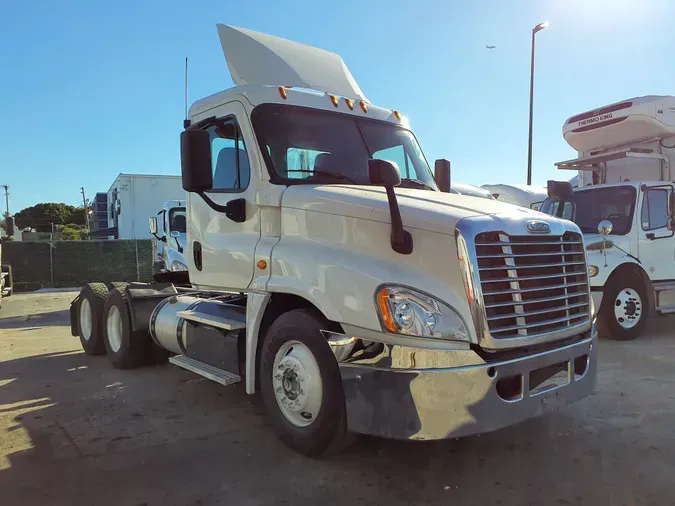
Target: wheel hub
x,y
628,308
296,380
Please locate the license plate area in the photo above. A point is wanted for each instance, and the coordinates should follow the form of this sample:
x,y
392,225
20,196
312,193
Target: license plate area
x,y
549,378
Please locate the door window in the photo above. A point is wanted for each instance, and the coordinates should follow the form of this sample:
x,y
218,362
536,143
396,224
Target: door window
x,y
229,160
655,209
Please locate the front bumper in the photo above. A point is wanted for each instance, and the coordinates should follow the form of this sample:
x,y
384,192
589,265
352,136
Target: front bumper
x,y
440,403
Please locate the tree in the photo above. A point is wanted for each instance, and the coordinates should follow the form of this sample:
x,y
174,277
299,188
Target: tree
x,y
70,234
41,216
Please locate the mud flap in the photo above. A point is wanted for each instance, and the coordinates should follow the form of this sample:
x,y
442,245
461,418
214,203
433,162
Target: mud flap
x,y
74,327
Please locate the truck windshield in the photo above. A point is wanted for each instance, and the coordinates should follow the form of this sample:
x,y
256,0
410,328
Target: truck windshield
x,y
311,146
177,220
590,207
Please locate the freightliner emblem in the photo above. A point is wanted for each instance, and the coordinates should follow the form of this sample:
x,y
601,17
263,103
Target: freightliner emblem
x,y
538,227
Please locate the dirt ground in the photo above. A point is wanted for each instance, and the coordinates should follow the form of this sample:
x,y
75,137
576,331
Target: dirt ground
x,y
73,431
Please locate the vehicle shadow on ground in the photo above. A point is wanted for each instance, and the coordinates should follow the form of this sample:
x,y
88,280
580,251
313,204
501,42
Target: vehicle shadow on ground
x,y
49,319
550,460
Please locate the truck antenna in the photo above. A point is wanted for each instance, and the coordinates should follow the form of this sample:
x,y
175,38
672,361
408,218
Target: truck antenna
x,y
186,121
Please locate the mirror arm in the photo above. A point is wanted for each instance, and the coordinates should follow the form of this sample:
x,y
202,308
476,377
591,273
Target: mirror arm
x,y
180,248
234,209
401,240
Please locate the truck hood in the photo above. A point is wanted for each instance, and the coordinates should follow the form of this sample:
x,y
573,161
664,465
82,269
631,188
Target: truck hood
x,y
421,209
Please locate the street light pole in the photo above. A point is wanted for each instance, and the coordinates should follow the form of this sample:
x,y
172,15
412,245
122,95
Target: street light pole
x,y
536,29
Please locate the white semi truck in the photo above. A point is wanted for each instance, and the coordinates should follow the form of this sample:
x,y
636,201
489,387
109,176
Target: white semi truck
x,y
529,196
625,207
169,228
367,298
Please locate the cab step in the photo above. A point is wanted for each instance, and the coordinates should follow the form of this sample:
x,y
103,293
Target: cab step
x,y
220,322
665,309
205,370
662,286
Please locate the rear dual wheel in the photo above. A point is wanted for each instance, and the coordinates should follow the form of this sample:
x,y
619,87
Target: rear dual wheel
x,y
127,348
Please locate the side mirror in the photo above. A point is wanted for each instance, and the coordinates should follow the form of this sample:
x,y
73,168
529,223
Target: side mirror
x,y
442,174
386,173
195,158
153,225
605,227
175,234
559,191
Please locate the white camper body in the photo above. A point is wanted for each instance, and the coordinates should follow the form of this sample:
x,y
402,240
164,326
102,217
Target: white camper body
x,y
132,198
625,169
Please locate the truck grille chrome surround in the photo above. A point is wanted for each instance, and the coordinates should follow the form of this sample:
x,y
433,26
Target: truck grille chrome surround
x,y
523,289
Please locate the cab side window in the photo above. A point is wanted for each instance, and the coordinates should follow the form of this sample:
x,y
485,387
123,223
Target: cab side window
x,y
655,209
229,160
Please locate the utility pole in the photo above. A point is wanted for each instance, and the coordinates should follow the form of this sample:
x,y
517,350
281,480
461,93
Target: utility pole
x,y
86,211
6,187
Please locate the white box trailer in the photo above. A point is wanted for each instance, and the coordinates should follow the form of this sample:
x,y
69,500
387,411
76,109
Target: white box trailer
x,y
133,198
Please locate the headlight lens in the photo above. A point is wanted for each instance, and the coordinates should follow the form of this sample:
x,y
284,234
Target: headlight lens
x,y
593,271
178,266
406,311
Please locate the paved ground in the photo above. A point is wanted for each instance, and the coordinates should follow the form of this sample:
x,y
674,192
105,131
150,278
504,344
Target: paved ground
x,y
75,431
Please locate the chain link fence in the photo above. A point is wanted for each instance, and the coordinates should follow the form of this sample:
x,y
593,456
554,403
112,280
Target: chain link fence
x,y
73,263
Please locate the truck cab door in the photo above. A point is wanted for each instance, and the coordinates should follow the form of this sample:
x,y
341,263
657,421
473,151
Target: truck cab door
x,y
221,249
656,235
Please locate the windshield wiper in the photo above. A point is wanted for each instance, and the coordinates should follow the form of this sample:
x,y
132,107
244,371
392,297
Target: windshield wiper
x,y
324,173
407,182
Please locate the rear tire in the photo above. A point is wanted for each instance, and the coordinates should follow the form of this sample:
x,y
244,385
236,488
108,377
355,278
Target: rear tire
x,y
90,316
301,385
624,308
126,348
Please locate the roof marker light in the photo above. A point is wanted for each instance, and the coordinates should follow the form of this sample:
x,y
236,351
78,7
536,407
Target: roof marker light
x,y
364,107
398,115
350,103
334,99
282,92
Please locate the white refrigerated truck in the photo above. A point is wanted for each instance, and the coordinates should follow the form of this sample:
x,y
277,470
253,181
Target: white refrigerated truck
x,y
368,299
626,159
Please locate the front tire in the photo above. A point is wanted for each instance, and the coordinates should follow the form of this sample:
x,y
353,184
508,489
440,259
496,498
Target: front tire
x,y
301,384
624,309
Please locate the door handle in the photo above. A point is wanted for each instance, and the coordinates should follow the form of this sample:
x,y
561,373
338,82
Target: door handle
x,y
650,236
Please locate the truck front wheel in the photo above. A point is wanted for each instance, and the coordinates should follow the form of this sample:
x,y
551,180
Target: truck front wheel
x,y
624,309
301,384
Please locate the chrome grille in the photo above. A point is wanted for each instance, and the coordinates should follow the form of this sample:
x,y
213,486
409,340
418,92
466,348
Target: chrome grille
x,y
532,285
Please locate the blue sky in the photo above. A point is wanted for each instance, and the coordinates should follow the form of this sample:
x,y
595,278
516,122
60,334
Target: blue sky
x,y
92,89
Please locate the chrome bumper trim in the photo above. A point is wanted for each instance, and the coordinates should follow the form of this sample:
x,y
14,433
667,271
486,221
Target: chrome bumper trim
x,y
460,401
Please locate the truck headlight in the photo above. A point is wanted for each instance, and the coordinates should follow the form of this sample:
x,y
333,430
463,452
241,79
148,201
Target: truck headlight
x,y
178,266
406,311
